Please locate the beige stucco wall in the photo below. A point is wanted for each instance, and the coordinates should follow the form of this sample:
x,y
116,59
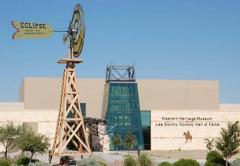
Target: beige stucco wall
x,y
15,112
45,118
168,127
166,137
44,93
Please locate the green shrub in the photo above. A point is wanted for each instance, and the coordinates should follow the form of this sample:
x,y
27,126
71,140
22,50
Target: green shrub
x,y
186,162
23,161
165,164
144,160
213,164
102,163
129,161
236,162
214,159
4,162
213,155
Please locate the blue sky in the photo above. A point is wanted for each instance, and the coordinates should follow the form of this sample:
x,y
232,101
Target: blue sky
x,y
165,39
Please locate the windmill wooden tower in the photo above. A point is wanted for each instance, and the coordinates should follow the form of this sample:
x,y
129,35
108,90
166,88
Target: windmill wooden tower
x,y
70,136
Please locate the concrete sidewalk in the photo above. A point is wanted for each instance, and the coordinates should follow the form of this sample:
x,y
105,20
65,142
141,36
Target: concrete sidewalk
x,y
113,158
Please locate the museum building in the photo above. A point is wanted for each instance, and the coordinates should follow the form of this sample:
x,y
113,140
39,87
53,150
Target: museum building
x,y
162,114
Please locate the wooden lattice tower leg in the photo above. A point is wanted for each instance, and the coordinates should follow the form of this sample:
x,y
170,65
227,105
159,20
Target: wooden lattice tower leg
x,y
70,137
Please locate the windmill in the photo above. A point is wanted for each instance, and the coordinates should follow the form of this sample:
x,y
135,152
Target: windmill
x,y
70,135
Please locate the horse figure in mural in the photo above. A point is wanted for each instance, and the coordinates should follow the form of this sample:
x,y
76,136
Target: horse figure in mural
x,y
188,136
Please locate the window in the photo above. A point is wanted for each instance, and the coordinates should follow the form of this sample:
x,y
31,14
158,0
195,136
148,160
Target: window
x,y
123,113
83,109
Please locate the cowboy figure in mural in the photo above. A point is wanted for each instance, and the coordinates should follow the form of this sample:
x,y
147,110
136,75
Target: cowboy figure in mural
x,y
188,136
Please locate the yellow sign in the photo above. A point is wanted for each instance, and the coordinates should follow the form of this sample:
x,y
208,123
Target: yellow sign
x,y
31,30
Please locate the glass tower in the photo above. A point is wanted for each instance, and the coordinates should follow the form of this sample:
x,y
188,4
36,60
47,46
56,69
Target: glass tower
x,y
123,110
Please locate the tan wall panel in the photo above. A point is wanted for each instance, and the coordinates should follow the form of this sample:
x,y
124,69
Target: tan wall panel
x,y
44,93
178,94
105,101
41,93
21,92
91,92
